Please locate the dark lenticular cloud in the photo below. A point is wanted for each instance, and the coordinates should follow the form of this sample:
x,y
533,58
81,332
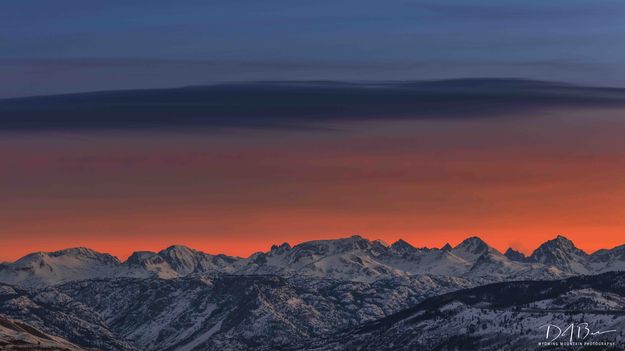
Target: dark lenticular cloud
x,y
297,104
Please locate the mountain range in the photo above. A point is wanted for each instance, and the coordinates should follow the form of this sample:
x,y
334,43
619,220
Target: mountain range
x,y
343,294
353,259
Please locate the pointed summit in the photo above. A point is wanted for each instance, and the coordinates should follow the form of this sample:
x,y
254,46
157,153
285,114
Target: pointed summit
x,y
472,248
402,247
559,243
446,247
561,253
401,243
473,242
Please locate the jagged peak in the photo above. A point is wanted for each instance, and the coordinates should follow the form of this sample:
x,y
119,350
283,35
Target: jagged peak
x,y
279,249
472,241
561,239
402,247
446,247
401,243
559,251
558,242
335,246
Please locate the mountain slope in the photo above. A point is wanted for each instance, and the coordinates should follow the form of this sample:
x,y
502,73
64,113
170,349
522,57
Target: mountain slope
x,y
229,312
495,317
608,259
55,313
15,335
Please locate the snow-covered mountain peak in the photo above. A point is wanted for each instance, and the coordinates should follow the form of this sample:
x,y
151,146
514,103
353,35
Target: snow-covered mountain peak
x,y
334,246
471,248
352,258
563,254
560,241
473,242
87,254
403,247
66,255
48,268
180,258
178,250
279,249
185,260
176,261
560,244
75,251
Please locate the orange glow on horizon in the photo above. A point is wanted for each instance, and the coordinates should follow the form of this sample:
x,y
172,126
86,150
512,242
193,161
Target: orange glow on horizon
x,y
511,182
243,247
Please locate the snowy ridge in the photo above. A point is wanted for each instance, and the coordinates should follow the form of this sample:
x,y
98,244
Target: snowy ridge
x,y
353,259
47,268
175,261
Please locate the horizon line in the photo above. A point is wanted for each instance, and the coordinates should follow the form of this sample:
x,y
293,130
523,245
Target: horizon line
x,y
308,241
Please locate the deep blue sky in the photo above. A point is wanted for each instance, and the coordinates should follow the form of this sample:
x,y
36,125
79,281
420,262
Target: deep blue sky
x,y
68,46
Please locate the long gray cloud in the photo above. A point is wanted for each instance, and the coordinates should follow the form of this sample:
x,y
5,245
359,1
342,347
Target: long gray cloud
x,y
297,104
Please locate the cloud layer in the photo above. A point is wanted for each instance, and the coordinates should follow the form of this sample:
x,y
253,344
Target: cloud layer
x,y
299,105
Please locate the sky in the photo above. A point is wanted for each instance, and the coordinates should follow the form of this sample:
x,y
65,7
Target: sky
x,y
234,168
72,45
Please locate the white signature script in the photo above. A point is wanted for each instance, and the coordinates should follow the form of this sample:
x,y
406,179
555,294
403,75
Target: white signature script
x,y
572,331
